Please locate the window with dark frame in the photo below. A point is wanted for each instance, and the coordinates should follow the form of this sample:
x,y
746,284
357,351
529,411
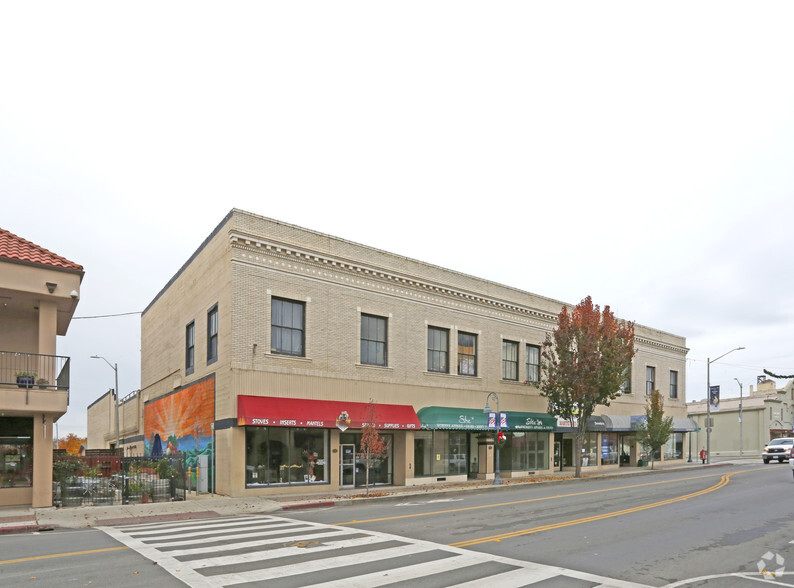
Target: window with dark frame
x,y
212,334
467,354
533,363
673,384
650,380
190,347
438,350
374,340
510,360
287,327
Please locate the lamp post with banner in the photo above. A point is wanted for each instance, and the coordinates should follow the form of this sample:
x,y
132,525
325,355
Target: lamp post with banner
x,y
496,420
712,395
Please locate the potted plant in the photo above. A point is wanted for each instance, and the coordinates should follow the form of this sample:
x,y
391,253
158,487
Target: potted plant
x,y
43,383
26,379
134,491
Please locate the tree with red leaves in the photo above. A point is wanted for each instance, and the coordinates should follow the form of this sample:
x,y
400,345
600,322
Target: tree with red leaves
x,y
373,447
584,362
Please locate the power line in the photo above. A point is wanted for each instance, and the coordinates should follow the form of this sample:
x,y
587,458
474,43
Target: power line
x,y
74,318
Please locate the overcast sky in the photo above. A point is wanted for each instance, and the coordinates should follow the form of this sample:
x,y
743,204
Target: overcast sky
x,y
637,152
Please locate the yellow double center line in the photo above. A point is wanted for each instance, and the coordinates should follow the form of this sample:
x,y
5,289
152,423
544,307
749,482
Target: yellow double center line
x,y
723,482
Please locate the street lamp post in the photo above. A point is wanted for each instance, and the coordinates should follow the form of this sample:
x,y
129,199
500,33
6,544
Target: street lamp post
x,y
115,369
497,479
741,453
708,400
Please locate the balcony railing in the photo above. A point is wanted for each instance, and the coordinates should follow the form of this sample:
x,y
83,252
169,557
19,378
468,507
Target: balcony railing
x,y
31,370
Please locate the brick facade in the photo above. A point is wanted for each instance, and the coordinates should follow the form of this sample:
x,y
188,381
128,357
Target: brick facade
x,y
249,260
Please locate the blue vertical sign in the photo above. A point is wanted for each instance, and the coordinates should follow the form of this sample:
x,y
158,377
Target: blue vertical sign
x,y
714,397
491,420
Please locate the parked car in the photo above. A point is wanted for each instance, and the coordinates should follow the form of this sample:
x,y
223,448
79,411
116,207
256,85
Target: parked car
x,y
779,449
791,459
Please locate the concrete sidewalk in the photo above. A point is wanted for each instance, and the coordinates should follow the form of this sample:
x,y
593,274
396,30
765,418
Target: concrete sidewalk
x,y
26,519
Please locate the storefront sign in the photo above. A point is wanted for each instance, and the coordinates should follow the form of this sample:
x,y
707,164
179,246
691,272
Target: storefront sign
x,y
271,411
470,419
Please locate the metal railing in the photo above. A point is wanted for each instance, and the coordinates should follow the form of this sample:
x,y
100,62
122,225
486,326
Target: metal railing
x,y
32,370
112,479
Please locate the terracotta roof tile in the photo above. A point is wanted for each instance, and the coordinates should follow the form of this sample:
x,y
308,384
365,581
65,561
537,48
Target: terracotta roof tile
x,y
14,248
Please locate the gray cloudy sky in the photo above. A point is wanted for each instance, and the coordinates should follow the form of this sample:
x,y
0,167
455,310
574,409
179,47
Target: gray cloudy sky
x,y
640,153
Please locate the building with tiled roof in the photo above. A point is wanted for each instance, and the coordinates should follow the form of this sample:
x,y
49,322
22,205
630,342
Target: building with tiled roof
x,y
39,292
15,249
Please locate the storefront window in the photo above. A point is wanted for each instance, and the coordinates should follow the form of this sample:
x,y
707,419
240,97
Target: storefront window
x,y
16,452
674,448
379,472
590,450
524,451
281,455
609,449
440,453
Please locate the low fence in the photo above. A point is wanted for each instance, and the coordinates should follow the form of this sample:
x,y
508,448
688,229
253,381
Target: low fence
x,y
96,480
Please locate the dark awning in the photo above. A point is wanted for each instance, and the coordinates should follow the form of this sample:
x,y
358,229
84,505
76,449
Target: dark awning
x,y
629,423
472,419
270,411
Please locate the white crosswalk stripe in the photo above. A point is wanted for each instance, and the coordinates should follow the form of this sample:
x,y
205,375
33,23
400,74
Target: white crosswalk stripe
x,y
253,549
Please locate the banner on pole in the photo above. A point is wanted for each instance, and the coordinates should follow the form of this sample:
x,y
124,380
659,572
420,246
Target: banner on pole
x,y
714,397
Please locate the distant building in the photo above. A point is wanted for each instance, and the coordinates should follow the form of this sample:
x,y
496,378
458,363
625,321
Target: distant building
x,y
262,354
766,413
39,291
101,425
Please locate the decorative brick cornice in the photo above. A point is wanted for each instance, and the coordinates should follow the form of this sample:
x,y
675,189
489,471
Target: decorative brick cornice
x,y
659,345
353,271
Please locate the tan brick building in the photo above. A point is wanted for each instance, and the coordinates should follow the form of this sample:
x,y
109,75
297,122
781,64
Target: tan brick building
x,y
270,342
39,292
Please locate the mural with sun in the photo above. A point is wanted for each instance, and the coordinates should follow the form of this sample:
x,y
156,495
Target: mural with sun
x,y
181,421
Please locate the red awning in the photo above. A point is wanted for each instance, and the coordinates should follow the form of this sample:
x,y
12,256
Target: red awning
x,y
269,411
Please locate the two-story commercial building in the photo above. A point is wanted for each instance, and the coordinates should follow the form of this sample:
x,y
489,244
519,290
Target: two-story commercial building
x,y
273,345
39,291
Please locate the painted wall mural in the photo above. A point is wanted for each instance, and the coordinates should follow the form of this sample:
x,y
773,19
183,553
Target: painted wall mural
x,y
181,421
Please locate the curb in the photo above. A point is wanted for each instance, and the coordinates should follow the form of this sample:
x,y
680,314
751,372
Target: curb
x,y
157,518
25,529
308,505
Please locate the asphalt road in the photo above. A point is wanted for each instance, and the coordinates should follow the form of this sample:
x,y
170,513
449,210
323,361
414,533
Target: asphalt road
x,y
75,557
695,527
658,529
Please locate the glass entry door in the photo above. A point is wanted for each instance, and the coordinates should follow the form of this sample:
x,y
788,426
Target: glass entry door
x,y
347,463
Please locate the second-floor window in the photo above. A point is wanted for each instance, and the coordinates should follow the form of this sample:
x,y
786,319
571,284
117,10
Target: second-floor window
x,y
625,387
373,340
533,363
673,384
437,350
467,354
190,347
212,334
510,360
287,330
650,380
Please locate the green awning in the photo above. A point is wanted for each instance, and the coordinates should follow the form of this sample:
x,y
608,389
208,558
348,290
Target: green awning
x,y
471,419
